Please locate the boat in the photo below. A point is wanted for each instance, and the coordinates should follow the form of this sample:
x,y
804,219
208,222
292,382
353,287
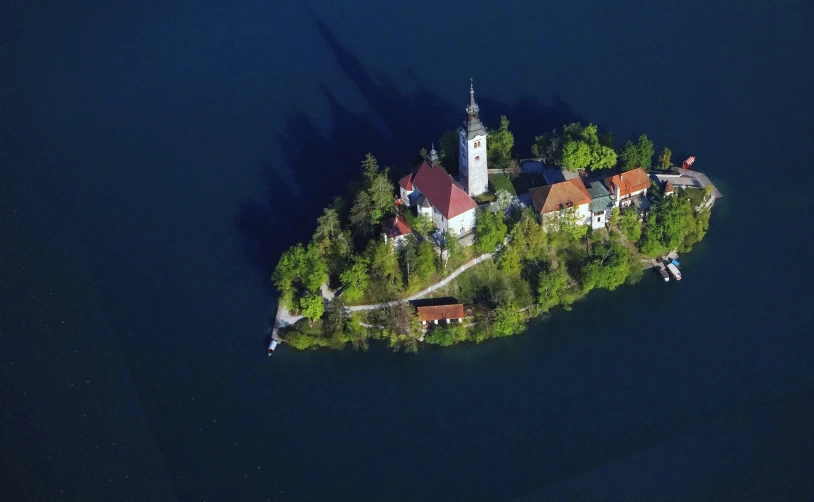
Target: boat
x,y
663,274
675,262
687,163
674,271
272,346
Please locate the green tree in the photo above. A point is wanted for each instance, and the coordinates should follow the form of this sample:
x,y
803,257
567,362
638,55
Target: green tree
x,y
425,260
286,276
546,147
490,230
575,155
314,271
355,280
565,224
615,217
370,168
638,155
385,273
603,157
298,271
446,334
361,215
509,261
630,224
423,225
381,197
335,322
664,158
499,145
507,320
503,200
609,267
666,225
452,247
629,156
646,151
551,285
312,306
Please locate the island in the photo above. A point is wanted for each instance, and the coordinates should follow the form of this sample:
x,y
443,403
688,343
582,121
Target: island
x,y
431,258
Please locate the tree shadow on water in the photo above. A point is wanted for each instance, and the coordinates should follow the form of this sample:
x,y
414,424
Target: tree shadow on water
x,y
400,125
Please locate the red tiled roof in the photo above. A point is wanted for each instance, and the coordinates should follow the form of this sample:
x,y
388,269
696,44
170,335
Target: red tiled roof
x,y
628,182
395,227
441,312
569,193
407,182
668,187
442,191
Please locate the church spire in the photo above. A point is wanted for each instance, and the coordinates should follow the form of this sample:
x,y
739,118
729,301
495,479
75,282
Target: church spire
x,y
433,156
473,125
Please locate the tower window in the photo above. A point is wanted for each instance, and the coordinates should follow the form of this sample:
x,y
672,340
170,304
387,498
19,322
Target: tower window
x,y
477,158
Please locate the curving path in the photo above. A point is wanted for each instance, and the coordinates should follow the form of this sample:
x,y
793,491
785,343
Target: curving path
x,y
466,266
285,319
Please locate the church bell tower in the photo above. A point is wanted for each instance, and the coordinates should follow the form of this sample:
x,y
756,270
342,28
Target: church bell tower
x,y
472,150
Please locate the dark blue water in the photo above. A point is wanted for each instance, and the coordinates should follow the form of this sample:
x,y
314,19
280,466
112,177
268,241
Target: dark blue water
x,y
157,159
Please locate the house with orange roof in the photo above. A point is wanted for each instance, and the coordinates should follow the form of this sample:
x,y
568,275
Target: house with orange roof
x,y
566,197
625,187
433,192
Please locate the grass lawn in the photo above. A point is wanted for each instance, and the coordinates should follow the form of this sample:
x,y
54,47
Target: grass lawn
x,y
501,182
696,195
518,186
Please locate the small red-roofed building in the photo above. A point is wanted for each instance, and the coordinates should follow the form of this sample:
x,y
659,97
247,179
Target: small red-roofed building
x,y
396,230
438,313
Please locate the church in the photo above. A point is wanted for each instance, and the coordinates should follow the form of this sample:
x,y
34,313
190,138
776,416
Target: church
x,y
435,194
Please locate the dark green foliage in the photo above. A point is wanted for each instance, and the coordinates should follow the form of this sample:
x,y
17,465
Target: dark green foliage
x,y
447,334
638,155
666,226
300,271
499,145
664,158
355,280
551,286
490,230
507,320
576,147
630,224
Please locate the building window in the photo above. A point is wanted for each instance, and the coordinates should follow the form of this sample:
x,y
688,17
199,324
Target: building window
x,y
598,219
477,158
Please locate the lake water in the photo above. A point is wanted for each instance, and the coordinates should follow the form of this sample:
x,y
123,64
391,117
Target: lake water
x,y
157,159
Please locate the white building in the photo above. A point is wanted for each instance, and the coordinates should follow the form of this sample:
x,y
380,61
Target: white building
x,y
566,197
436,195
472,150
626,186
601,203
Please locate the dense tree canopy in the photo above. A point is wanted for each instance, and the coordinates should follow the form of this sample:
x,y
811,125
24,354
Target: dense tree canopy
x,y
490,230
638,155
499,145
576,147
355,280
666,226
299,271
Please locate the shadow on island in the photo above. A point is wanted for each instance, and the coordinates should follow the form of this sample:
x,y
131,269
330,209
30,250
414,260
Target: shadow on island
x,y
401,124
